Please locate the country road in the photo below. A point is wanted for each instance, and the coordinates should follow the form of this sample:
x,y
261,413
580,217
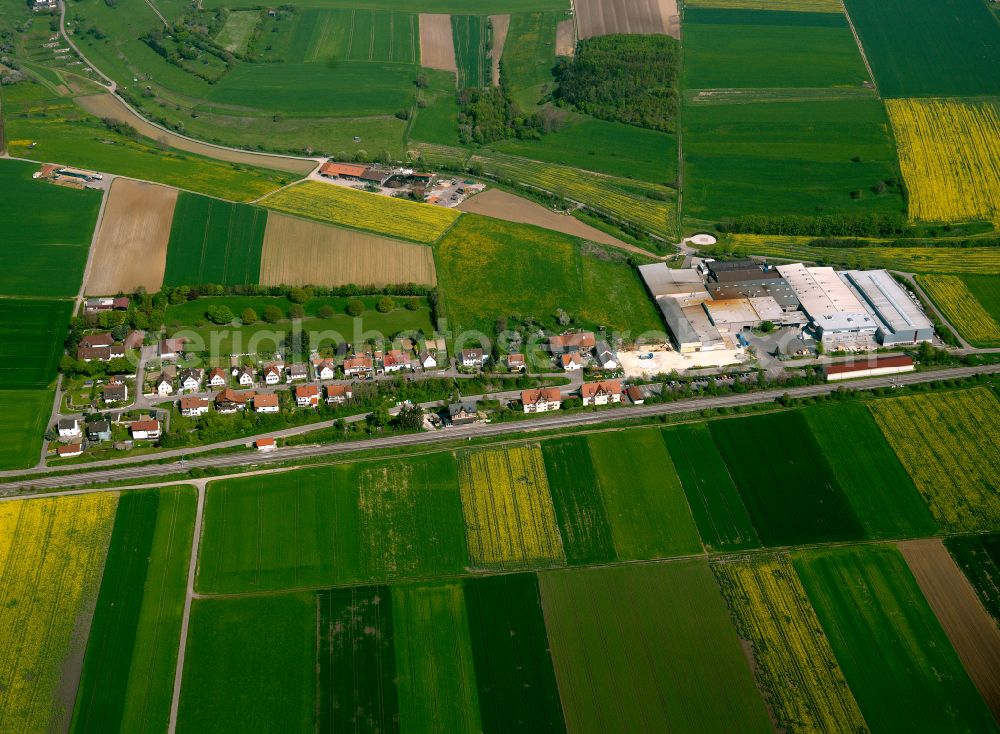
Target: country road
x,y
555,422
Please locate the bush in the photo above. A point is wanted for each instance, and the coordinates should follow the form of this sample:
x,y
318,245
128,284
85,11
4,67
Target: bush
x,y
412,305
300,295
272,314
219,314
325,312
385,304
296,312
249,316
355,307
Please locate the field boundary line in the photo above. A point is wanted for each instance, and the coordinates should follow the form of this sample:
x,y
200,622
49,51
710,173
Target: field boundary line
x,y
861,50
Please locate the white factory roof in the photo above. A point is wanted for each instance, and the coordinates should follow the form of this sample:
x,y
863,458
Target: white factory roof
x,y
731,311
887,300
767,308
827,299
669,282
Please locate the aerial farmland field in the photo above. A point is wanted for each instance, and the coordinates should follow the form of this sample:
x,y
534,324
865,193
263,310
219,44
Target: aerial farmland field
x,y
894,654
962,309
786,482
979,558
24,416
27,347
948,443
529,53
214,241
597,619
471,38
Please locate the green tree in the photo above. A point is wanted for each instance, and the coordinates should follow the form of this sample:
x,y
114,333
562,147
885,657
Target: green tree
x,y
355,307
325,311
272,314
385,304
296,311
249,316
300,295
219,314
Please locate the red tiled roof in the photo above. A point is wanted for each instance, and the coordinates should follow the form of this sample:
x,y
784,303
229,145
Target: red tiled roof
x,y
265,400
306,391
189,403
543,395
611,387
342,169
152,425
869,364
70,448
262,442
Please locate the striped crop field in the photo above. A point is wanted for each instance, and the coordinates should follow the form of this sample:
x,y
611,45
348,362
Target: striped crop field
x,y
798,6
361,210
949,153
52,554
950,445
795,664
962,309
648,206
509,516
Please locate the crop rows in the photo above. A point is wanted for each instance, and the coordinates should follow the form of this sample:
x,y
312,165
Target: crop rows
x,y
509,517
950,445
949,153
51,555
795,663
962,309
805,6
979,559
628,201
360,210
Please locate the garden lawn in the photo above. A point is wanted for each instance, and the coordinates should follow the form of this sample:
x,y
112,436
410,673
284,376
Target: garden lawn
x,y
343,524
646,506
715,502
903,670
648,649
24,416
517,685
31,335
250,665
787,484
875,483
489,269
979,559
213,241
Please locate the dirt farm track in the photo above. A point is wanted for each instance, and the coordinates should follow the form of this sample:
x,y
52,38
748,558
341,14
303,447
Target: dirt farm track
x,y
604,17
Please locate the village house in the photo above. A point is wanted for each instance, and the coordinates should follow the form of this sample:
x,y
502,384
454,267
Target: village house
x,y
194,407
307,396
324,369
104,339
605,357
601,393
515,362
265,444
145,430
428,361
473,357
463,413
542,400
100,353
244,376
581,341
273,373
99,431
164,384
171,348
636,395
217,377
395,361
266,403
298,371
571,362
134,340
116,392
101,305
68,428
70,450
229,401
358,367
190,379
338,394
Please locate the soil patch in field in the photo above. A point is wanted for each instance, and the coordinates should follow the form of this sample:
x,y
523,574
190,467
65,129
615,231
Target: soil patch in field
x,y
502,205
131,245
300,252
109,106
437,47
500,25
972,631
565,38
605,17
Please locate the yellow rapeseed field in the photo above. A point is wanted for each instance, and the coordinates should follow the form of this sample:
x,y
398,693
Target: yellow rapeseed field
x,y
51,555
962,309
949,153
808,692
950,445
509,517
361,210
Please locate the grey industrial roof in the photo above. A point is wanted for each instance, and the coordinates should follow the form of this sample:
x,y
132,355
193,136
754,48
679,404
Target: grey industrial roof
x,y
886,300
664,281
719,266
677,321
744,274
777,289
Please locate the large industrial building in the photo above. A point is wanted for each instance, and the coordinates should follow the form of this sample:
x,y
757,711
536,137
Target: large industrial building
x,y
899,319
836,314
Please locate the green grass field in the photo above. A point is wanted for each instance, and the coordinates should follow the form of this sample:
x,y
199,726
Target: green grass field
x,y
576,495
516,682
786,482
24,416
986,289
903,670
733,49
471,34
529,53
239,26
489,269
437,122
250,665
214,241
337,525
101,697
787,157
483,7
715,502
605,147
598,621
945,47
979,559
356,664
875,483
28,352
646,506
435,674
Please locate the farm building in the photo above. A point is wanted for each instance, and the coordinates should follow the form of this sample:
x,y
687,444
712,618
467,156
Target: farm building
x,y
347,171
899,319
581,341
840,320
872,367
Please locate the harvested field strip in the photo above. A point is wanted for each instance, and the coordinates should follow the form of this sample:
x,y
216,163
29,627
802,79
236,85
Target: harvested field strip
x,y
154,656
895,656
576,495
101,698
786,482
979,558
214,241
795,666
52,554
360,210
875,483
300,252
804,6
435,674
356,666
131,246
617,636
972,631
509,517
499,24
601,18
950,445
437,46
949,153
517,685
962,309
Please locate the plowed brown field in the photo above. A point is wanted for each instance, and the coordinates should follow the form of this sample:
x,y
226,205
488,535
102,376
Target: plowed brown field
x,y
437,47
500,25
604,17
